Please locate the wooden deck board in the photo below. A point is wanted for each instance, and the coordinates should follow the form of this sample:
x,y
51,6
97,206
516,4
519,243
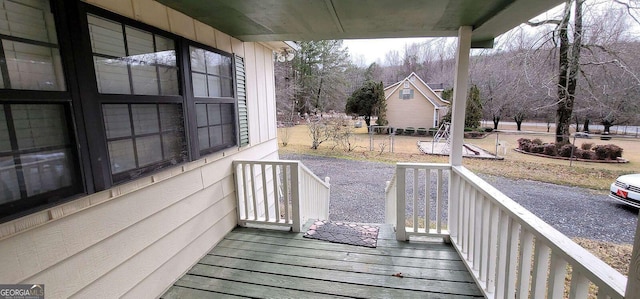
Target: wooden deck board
x,y
261,263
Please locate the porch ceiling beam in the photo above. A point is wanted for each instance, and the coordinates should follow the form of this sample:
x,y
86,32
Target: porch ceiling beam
x,y
334,15
460,95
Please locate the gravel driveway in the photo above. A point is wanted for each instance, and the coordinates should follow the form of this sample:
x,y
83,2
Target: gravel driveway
x,y
357,194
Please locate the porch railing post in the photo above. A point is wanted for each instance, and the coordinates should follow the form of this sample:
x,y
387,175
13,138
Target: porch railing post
x,y
401,232
633,280
295,198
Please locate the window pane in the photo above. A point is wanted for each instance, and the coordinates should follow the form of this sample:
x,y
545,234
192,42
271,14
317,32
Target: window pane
x,y
138,41
33,67
31,20
39,126
227,113
145,119
213,62
148,150
164,44
10,190
215,134
116,120
46,171
168,80
5,144
201,115
144,79
228,134
199,82
227,89
106,37
170,117
112,76
173,147
225,67
197,60
203,138
121,155
214,114
214,86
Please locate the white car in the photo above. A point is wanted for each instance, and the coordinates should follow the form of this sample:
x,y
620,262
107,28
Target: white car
x,y
626,189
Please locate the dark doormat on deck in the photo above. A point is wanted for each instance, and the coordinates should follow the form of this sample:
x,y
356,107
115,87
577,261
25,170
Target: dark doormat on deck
x,y
344,233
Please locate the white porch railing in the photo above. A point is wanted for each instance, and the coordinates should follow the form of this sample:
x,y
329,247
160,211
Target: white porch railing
x,y
510,252
424,202
280,192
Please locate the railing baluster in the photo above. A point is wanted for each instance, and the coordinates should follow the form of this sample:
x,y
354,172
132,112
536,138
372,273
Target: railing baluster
x,y
287,196
265,192
484,238
524,266
474,229
460,210
427,201
274,174
415,199
540,268
246,192
579,287
465,201
493,249
439,202
453,212
477,215
401,234
557,274
503,253
254,203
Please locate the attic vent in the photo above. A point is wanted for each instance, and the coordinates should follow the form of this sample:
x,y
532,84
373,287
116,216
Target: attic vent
x,y
406,91
406,84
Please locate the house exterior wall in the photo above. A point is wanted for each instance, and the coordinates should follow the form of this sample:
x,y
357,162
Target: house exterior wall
x,y
135,239
416,112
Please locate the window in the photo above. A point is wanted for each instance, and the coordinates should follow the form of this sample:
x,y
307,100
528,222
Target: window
x,y
38,159
128,60
143,125
406,94
30,58
212,83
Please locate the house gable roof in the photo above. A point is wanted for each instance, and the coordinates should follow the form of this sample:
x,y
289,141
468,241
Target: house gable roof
x,y
394,87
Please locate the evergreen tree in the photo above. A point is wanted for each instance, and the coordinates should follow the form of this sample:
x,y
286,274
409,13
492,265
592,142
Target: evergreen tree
x,y
368,101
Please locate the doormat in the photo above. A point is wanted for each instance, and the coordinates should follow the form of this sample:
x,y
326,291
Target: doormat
x,y
344,233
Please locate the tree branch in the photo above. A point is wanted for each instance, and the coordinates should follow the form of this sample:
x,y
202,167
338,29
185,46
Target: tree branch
x,y
545,22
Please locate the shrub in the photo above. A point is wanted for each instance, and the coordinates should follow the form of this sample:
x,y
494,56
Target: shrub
x,y
422,131
586,146
473,134
550,150
487,129
523,141
565,150
537,149
609,151
467,129
537,141
433,131
588,155
409,130
399,131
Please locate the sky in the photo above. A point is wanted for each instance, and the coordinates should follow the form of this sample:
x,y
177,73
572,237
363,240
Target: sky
x,y
372,50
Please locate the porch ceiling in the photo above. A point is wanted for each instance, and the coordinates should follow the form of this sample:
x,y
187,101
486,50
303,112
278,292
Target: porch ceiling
x,y
279,20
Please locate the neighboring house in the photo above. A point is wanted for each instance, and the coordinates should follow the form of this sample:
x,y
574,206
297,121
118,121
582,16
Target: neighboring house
x,y
413,103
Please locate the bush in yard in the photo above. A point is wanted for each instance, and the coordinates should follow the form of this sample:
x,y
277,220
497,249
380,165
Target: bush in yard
x,y
587,155
537,149
433,131
487,129
566,150
399,131
537,141
586,146
422,131
609,151
409,130
550,150
523,141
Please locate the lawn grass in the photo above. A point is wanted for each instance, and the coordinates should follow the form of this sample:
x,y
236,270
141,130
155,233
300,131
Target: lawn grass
x,y
595,176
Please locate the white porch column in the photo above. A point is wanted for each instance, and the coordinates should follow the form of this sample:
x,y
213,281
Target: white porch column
x,y
633,280
460,95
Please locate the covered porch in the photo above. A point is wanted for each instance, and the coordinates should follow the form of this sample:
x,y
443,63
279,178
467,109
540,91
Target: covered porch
x,y
506,250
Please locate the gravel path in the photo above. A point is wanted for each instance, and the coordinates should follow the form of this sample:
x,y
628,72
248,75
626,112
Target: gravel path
x,y
357,194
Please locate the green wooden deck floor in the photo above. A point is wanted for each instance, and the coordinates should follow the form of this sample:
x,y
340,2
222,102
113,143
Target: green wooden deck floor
x,y
257,263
